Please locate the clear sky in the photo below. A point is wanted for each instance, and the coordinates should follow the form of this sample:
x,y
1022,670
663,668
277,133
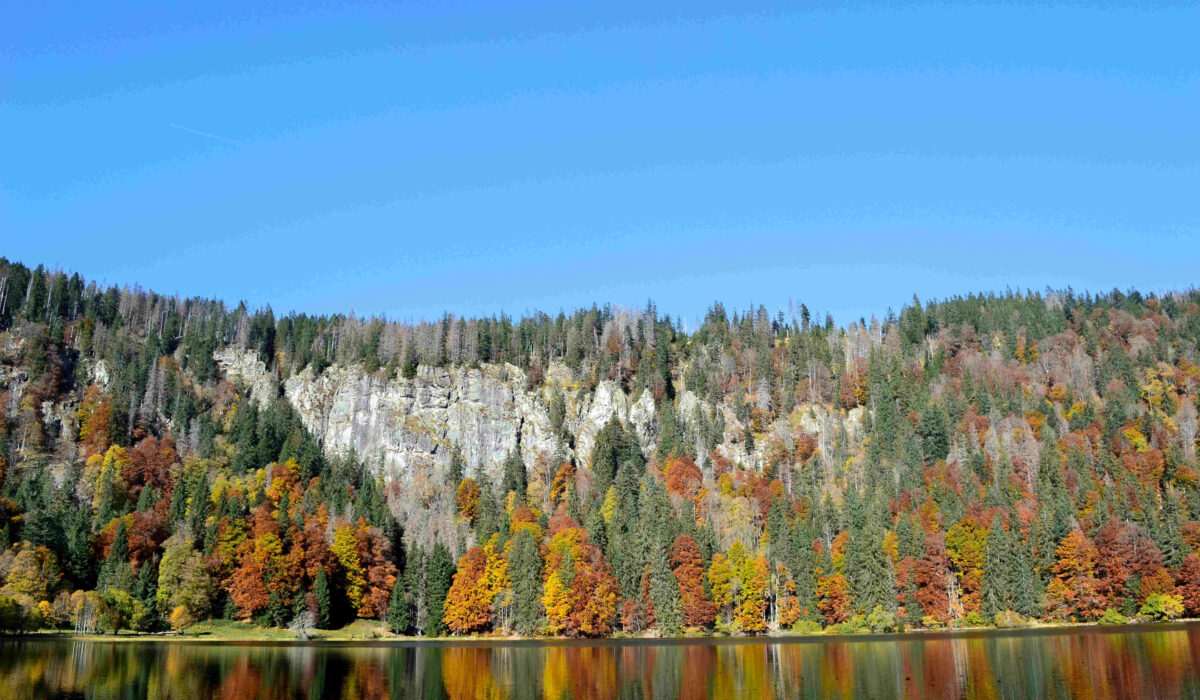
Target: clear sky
x,y
412,158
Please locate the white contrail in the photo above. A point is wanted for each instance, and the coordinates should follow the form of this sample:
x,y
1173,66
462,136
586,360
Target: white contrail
x,y
207,135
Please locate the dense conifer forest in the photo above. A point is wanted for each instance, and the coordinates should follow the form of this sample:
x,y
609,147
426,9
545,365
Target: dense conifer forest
x,y
991,459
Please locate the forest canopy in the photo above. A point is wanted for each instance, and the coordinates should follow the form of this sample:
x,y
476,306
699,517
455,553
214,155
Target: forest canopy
x,y
981,460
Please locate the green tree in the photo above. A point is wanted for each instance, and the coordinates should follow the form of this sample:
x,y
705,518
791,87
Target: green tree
x,y
664,594
514,474
399,614
998,574
324,600
525,572
116,573
438,579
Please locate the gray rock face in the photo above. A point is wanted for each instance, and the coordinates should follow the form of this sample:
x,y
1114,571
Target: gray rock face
x,y
405,425
244,368
408,426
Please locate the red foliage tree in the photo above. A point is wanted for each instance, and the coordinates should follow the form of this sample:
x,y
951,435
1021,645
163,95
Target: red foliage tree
x,y
1187,585
698,610
683,477
150,463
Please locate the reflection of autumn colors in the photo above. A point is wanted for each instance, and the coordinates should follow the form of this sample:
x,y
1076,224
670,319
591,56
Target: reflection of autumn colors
x,y
1091,663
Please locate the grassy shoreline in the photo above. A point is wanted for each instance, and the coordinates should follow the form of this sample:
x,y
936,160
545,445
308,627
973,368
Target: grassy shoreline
x,y
367,632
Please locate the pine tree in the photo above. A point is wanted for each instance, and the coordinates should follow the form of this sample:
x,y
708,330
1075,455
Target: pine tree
x,y
324,601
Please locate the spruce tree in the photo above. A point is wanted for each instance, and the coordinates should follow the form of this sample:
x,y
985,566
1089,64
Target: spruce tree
x,y
116,572
80,562
1027,588
146,499
324,601
664,593
997,589
514,474
869,570
525,572
913,613
437,584
399,615
457,469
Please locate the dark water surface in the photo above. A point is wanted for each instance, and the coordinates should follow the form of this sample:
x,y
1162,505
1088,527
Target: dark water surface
x,y
1131,662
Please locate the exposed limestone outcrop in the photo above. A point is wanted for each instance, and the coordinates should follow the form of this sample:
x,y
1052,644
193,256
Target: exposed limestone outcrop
x,y
406,426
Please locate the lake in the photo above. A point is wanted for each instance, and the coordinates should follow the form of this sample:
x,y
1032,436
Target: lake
x,y
1159,661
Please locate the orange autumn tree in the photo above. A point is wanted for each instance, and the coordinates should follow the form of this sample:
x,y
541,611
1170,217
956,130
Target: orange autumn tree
x,y
248,587
1074,592
698,610
264,567
683,477
468,499
580,592
595,591
481,579
95,422
468,604
364,555
833,598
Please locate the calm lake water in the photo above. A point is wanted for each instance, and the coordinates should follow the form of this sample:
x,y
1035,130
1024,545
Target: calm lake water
x,y
1133,662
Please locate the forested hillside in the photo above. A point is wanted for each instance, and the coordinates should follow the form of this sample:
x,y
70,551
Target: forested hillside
x,y
986,459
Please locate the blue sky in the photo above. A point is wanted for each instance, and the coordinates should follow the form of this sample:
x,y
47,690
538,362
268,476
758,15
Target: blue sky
x,y
415,158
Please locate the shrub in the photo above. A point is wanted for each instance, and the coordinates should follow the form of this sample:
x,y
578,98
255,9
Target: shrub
x,y
930,622
806,627
881,620
1112,617
855,625
1007,619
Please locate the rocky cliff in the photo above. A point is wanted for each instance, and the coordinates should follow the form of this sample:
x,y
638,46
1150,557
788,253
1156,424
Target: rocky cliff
x,y
410,425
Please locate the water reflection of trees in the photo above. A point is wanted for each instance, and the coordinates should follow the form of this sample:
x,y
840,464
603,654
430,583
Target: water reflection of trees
x,y
1090,664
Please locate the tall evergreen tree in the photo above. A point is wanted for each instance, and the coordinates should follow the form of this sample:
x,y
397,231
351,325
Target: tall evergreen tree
x,y
664,594
437,584
117,573
525,572
324,600
514,474
998,572
399,613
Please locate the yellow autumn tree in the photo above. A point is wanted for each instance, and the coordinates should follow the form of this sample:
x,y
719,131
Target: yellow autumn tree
x,y
720,582
750,613
345,550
